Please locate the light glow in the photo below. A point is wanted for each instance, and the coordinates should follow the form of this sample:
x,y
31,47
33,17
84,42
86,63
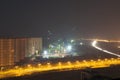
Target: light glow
x,y
94,44
30,69
69,48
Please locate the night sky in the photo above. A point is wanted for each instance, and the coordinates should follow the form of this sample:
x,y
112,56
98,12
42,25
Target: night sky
x,y
60,18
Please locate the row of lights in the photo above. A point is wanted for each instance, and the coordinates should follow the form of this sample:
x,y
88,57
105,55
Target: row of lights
x,y
19,71
69,63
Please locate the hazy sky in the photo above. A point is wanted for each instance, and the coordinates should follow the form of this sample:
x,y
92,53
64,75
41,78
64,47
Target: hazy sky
x,y
60,18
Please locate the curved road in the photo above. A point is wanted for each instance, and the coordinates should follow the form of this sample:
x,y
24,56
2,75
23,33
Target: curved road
x,y
94,44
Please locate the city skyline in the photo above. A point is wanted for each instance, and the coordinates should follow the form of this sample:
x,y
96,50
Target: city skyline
x,y
59,39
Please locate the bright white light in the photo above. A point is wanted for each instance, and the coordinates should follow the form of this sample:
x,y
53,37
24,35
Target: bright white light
x,y
72,41
69,48
81,43
94,44
45,52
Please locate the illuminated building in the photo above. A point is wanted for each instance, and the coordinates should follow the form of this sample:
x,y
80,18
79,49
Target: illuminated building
x,y
6,52
20,48
34,46
14,50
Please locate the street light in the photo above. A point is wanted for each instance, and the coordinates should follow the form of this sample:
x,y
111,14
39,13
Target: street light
x,y
59,63
77,62
29,66
16,67
39,64
69,63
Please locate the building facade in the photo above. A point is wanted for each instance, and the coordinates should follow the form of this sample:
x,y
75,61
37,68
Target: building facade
x,y
6,52
34,46
20,47
14,50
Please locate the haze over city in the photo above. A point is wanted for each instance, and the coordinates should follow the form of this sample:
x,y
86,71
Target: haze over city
x,y
71,18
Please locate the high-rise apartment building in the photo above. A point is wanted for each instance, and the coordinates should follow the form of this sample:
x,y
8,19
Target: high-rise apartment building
x,y
34,45
6,52
16,49
20,47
